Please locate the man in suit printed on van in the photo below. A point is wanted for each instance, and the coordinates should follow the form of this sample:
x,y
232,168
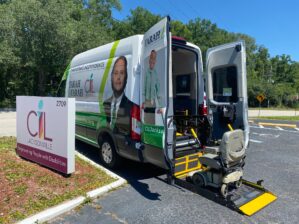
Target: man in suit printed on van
x,y
118,106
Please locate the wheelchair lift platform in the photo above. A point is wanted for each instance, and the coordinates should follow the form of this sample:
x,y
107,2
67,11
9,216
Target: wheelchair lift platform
x,y
248,199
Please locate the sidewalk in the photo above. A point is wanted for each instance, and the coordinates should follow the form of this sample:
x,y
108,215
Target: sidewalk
x,y
268,113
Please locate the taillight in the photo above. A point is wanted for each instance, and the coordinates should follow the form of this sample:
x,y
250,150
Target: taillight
x,y
202,110
135,123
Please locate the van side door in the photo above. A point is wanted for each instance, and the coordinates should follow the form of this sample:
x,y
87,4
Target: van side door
x,y
227,89
156,95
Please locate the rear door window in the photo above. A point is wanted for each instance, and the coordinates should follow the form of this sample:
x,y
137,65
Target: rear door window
x,y
225,84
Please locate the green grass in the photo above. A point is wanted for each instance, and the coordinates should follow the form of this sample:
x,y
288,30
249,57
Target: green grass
x,y
7,143
30,188
283,118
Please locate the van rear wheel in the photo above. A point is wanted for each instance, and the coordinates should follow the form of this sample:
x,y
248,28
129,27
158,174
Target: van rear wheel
x,y
108,154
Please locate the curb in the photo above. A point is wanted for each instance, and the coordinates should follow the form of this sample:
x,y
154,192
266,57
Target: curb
x,y
276,124
55,211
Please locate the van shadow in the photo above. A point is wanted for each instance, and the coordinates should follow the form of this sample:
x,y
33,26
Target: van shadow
x,y
136,174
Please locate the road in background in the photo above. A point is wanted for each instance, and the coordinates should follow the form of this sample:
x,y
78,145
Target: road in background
x,y
7,123
265,113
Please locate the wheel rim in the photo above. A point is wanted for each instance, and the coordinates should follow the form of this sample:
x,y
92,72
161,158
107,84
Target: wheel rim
x,y
106,152
224,190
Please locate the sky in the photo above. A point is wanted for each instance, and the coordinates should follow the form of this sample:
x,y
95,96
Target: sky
x,y
272,23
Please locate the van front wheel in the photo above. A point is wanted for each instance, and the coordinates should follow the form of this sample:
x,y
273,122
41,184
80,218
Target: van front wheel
x,y
108,154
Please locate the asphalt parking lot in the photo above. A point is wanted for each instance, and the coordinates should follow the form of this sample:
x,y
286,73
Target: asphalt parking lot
x,y
147,198
273,156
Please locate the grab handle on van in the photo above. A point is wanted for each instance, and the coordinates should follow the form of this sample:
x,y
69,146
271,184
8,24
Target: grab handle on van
x,y
195,136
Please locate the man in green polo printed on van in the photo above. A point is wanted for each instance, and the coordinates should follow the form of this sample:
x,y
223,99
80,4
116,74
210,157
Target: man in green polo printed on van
x,y
151,90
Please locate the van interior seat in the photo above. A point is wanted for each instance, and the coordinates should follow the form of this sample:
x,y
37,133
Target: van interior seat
x,y
231,150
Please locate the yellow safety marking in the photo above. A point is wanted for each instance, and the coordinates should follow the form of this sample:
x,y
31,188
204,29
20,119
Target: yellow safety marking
x,y
181,163
281,125
178,134
193,133
187,163
230,127
183,175
195,154
186,171
258,203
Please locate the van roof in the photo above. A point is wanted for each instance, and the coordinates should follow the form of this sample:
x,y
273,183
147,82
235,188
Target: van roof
x,y
103,52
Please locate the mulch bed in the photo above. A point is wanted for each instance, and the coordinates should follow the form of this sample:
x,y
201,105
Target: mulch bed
x,y
28,188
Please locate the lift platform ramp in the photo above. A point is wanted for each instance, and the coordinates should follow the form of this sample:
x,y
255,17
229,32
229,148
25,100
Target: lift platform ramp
x,y
247,199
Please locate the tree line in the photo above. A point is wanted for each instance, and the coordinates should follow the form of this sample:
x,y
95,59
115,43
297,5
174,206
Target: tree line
x,y
38,38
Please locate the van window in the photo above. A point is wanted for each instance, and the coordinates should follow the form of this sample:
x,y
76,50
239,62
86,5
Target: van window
x,y
183,85
225,84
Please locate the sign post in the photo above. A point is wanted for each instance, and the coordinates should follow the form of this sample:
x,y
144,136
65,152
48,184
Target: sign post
x,y
46,131
261,97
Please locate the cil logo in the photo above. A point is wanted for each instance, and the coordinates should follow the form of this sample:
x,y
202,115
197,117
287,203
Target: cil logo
x,y
39,119
88,87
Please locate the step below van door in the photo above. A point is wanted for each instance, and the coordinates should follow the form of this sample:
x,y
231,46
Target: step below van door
x,y
156,95
227,89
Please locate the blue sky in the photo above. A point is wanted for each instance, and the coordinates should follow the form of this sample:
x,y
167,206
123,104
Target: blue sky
x,y
274,24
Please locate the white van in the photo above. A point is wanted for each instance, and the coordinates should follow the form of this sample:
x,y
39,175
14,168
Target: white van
x,y
143,98
135,94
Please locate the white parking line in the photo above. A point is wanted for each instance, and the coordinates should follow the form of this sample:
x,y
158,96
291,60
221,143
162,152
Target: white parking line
x,y
275,129
279,128
256,141
261,126
265,135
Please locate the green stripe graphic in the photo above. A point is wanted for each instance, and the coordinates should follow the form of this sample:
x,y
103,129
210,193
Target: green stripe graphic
x,y
106,72
66,72
102,119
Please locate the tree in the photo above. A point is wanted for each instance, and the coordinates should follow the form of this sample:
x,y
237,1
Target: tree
x,y
44,35
138,22
99,11
181,30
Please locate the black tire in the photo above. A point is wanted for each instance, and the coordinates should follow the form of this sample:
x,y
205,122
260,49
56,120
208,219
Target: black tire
x,y
198,180
170,179
108,154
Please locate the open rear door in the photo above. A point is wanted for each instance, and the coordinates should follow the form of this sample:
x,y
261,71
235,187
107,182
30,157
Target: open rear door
x,y
227,89
156,95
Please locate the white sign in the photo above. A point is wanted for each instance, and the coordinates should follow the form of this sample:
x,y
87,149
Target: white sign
x,y
46,131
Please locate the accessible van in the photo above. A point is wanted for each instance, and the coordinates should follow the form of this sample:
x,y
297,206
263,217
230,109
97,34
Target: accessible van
x,y
147,98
